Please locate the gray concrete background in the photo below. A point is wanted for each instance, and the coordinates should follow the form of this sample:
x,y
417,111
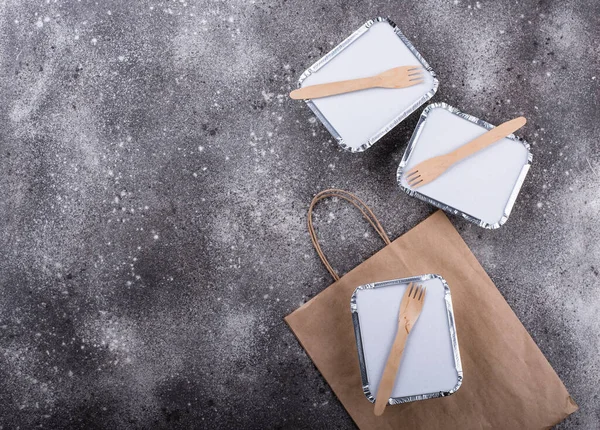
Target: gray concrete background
x,y
154,180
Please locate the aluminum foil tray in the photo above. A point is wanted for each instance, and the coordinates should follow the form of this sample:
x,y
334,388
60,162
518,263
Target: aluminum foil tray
x,y
359,119
430,365
481,188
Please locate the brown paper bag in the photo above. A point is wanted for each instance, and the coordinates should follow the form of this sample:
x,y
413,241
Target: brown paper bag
x,y
508,383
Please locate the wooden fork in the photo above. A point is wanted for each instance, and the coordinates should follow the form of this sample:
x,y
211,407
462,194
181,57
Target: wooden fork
x,y
410,309
398,77
428,170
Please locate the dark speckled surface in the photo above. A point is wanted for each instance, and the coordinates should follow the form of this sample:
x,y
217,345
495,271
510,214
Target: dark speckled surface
x,y
154,179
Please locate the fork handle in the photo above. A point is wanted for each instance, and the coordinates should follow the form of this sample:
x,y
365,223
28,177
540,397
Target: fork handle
x,y
333,88
486,139
386,384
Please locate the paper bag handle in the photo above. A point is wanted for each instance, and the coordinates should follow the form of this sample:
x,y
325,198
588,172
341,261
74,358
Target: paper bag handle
x,y
359,204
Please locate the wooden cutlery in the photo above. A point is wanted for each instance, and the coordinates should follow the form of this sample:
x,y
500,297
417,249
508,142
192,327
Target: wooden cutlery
x,y
410,309
398,77
428,170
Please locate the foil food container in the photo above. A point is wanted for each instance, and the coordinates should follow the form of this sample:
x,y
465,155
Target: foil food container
x,y
359,119
430,365
482,188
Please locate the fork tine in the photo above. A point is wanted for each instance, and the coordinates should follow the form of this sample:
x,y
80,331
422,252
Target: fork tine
x,y
416,182
410,288
411,173
422,295
415,72
411,68
414,179
413,176
416,80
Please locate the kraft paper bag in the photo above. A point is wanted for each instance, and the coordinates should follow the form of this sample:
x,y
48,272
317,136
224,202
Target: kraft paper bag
x,y
508,383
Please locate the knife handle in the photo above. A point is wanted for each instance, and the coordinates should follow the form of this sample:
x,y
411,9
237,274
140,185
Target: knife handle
x,y
487,138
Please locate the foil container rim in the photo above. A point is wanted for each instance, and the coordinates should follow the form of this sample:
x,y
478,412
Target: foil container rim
x,y
394,122
445,207
452,330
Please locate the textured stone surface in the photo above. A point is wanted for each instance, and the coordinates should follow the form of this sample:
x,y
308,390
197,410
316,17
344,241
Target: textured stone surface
x,y
154,179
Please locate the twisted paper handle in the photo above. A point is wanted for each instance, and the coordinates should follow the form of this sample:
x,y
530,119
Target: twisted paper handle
x,y
359,204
